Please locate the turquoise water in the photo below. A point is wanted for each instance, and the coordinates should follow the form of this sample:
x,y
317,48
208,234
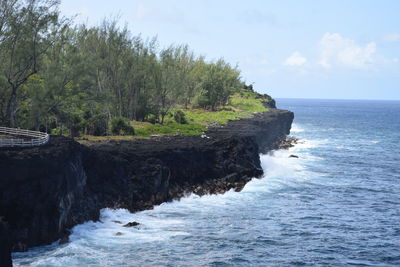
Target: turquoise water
x,y
338,204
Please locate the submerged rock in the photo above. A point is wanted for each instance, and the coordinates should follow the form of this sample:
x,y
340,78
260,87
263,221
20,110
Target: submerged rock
x,y
131,224
64,240
64,237
288,142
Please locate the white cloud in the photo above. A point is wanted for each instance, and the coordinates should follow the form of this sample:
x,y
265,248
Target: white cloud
x,y
393,37
295,60
337,50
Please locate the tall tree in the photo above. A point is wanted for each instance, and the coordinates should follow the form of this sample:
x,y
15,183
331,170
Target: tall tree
x,y
26,41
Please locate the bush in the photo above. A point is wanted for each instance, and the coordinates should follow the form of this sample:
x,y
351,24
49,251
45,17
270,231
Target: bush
x,y
119,126
97,125
60,130
153,119
179,117
201,101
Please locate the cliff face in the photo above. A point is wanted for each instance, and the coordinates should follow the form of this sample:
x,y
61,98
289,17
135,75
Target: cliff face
x,y
5,246
44,191
37,188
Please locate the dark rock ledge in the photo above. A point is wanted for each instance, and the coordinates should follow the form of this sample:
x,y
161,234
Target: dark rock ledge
x,y
45,191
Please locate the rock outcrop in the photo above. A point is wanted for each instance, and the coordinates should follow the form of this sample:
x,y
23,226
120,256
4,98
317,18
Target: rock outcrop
x,y
45,191
5,245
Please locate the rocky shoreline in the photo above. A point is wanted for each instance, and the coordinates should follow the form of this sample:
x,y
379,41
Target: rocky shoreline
x,y
45,191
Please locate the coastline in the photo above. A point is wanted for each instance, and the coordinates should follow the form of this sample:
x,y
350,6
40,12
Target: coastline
x,y
50,189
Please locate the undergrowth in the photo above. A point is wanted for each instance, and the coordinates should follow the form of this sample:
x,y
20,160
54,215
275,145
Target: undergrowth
x,y
241,105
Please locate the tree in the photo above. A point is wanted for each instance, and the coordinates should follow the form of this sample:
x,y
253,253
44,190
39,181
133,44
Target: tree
x,y
166,81
59,78
220,81
26,30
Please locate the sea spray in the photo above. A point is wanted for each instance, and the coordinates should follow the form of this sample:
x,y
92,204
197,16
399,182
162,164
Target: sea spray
x,y
94,243
331,206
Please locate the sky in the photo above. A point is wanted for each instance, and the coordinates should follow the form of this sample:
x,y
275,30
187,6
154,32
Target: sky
x,y
341,49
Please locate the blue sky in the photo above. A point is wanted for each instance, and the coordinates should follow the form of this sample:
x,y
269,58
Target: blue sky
x,y
348,49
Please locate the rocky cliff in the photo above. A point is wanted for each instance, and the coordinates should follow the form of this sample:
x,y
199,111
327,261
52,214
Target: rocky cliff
x,y
5,245
44,191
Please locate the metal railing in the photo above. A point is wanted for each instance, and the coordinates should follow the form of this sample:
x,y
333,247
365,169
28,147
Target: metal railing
x,y
36,138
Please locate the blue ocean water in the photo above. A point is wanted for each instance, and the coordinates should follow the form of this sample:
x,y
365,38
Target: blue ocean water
x,y
338,204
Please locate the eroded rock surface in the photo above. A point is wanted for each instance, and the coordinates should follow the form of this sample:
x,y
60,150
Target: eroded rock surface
x,y
44,191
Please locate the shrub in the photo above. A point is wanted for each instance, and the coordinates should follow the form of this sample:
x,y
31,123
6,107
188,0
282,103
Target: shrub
x,y
97,125
153,119
201,101
179,117
119,126
60,130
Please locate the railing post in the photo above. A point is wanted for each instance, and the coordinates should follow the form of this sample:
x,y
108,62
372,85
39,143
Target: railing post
x,y
37,138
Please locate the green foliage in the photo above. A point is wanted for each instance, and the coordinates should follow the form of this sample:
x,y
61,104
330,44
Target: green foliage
x,y
27,29
241,105
247,101
177,129
179,117
62,130
219,82
89,80
145,129
220,117
96,124
119,126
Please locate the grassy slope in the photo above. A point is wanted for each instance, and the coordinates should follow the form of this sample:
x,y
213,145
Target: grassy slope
x,y
241,105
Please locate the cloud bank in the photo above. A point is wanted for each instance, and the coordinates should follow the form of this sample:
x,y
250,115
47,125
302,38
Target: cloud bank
x,y
336,50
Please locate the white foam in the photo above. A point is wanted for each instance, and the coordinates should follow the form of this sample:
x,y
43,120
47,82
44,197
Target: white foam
x,y
296,128
92,242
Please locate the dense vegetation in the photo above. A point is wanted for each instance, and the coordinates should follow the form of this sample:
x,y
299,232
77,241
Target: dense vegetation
x,y
81,80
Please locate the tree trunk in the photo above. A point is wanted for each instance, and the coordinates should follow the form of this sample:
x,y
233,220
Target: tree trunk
x,y
11,107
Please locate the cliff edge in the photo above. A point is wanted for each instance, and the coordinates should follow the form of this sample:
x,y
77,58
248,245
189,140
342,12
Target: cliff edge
x,y
45,191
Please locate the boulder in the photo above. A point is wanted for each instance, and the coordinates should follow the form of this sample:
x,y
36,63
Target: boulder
x,y
131,224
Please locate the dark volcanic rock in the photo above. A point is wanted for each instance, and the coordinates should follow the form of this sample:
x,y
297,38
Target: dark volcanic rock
x,y
288,142
44,191
38,187
131,224
5,245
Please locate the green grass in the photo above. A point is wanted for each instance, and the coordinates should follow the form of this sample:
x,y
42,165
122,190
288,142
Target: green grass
x,y
241,105
168,128
220,117
248,101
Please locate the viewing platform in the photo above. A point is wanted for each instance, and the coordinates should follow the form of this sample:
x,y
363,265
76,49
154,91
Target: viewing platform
x,y
12,137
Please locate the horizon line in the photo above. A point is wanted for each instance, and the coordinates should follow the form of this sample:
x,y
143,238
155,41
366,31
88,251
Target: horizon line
x,y
348,99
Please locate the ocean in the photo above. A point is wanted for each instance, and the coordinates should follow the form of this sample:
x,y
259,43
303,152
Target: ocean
x,y
337,204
